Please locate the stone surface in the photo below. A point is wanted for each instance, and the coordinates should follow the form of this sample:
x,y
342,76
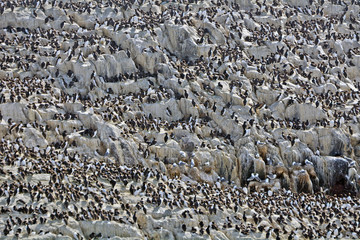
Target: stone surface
x,y
178,120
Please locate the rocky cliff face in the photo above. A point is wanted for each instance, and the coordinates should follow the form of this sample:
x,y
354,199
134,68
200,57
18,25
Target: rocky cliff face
x,y
163,114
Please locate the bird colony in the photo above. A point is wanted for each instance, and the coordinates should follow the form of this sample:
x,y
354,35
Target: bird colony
x,y
142,119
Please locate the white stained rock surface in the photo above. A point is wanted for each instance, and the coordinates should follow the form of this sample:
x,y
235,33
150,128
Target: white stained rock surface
x,y
179,119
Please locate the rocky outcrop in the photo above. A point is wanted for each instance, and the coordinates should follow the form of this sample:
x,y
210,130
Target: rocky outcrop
x,y
171,120
109,229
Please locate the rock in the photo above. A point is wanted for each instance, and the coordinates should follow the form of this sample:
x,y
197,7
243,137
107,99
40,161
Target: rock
x,y
129,151
39,178
301,182
171,151
266,96
33,138
304,112
262,148
331,170
247,166
259,168
188,145
333,142
245,4
162,234
216,35
145,119
113,65
257,52
48,236
147,60
17,112
179,40
174,171
288,153
187,109
301,3
333,10
236,174
160,110
109,229
223,163
194,174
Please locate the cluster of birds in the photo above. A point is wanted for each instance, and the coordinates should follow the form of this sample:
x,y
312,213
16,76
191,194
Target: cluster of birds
x,y
301,55
50,187
302,178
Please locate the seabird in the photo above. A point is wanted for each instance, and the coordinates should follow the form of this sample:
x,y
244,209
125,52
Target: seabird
x,y
254,176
